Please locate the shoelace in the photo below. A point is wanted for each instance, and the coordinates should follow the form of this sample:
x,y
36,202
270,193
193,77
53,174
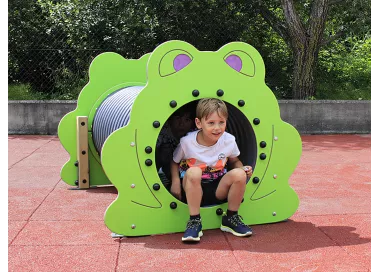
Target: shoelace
x,y
236,220
193,223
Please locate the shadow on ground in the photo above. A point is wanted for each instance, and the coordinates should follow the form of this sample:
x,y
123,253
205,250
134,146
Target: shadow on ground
x,y
290,236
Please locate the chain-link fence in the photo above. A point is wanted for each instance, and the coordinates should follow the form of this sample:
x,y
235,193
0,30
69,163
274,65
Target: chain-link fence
x,y
41,57
52,43
54,70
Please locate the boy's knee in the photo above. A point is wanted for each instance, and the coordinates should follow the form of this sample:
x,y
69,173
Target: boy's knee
x,y
194,174
239,175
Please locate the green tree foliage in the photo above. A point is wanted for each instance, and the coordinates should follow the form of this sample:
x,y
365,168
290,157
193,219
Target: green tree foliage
x,y
344,70
51,42
31,37
303,24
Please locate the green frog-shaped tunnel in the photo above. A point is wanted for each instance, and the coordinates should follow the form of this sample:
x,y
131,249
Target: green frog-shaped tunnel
x,y
177,71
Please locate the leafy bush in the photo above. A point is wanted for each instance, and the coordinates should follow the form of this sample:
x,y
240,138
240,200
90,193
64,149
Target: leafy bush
x,y
23,92
344,70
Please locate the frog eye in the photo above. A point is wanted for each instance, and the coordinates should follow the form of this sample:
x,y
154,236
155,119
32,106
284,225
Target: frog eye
x,y
174,61
240,62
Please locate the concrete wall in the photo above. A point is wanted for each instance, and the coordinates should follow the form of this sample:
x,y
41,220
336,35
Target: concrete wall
x,y
327,116
36,116
309,117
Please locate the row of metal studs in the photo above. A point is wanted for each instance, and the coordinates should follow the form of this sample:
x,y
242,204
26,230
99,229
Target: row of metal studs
x,y
173,104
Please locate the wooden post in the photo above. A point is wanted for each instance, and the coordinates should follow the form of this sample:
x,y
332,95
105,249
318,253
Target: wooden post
x,y
82,152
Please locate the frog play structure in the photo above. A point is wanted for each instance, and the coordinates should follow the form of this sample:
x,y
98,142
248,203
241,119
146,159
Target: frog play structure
x,y
111,136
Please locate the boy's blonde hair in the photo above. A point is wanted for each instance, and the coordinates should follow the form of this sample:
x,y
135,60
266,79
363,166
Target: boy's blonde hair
x,y
207,106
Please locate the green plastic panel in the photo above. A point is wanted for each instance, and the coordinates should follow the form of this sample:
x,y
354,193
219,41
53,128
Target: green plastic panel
x,y
108,72
140,210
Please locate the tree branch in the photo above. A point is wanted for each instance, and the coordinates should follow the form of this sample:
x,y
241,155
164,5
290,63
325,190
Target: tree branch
x,y
318,17
332,38
333,2
274,22
296,29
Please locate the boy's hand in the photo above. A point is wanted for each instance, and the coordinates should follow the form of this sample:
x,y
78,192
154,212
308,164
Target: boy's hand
x,y
248,170
175,189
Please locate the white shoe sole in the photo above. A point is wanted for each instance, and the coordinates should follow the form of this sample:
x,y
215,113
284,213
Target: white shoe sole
x,y
193,239
227,229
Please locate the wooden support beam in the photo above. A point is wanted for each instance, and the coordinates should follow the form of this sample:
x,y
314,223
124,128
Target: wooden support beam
x,y
82,152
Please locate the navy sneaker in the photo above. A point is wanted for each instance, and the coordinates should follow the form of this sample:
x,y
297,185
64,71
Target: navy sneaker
x,y
234,225
193,232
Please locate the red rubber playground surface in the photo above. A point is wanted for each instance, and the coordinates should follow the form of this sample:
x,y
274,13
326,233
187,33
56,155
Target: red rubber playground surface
x,y
52,228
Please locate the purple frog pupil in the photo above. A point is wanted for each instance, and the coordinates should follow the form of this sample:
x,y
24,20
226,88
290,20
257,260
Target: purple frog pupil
x,y
181,61
234,62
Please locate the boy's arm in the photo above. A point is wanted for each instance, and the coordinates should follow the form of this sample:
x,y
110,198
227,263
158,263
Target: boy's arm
x,y
174,170
236,163
176,183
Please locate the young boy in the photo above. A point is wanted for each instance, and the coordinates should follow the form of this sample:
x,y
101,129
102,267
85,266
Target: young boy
x,y
200,159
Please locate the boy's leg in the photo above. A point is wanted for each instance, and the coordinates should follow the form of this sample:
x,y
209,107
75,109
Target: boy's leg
x,y
232,186
192,187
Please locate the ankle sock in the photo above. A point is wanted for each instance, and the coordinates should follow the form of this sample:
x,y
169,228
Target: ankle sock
x,y
231,213
197,216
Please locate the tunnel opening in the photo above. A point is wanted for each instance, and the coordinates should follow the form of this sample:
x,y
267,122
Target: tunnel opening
x,y
114,113
182,121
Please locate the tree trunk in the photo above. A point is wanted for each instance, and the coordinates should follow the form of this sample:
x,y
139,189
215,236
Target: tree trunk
x,y
303,84
305,42
304,39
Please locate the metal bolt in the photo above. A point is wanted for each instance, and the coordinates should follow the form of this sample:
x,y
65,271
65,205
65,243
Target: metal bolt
x,y
133,226
256,121
173,103
173,205
241,103
274,176
263,156
274,213
148,162
133,144
275,138
156,124
148,150
133,186
263,144
195,93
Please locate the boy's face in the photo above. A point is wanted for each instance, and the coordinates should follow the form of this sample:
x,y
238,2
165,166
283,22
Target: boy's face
x,y
212,126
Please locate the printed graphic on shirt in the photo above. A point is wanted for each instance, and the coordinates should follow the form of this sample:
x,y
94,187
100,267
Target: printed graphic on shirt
x,y
208,172
211,159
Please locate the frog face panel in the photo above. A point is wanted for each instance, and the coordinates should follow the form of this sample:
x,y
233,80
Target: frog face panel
x,y
177,71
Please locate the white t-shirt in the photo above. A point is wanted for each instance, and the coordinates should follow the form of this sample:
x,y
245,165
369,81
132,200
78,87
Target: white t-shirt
x,y
211,159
